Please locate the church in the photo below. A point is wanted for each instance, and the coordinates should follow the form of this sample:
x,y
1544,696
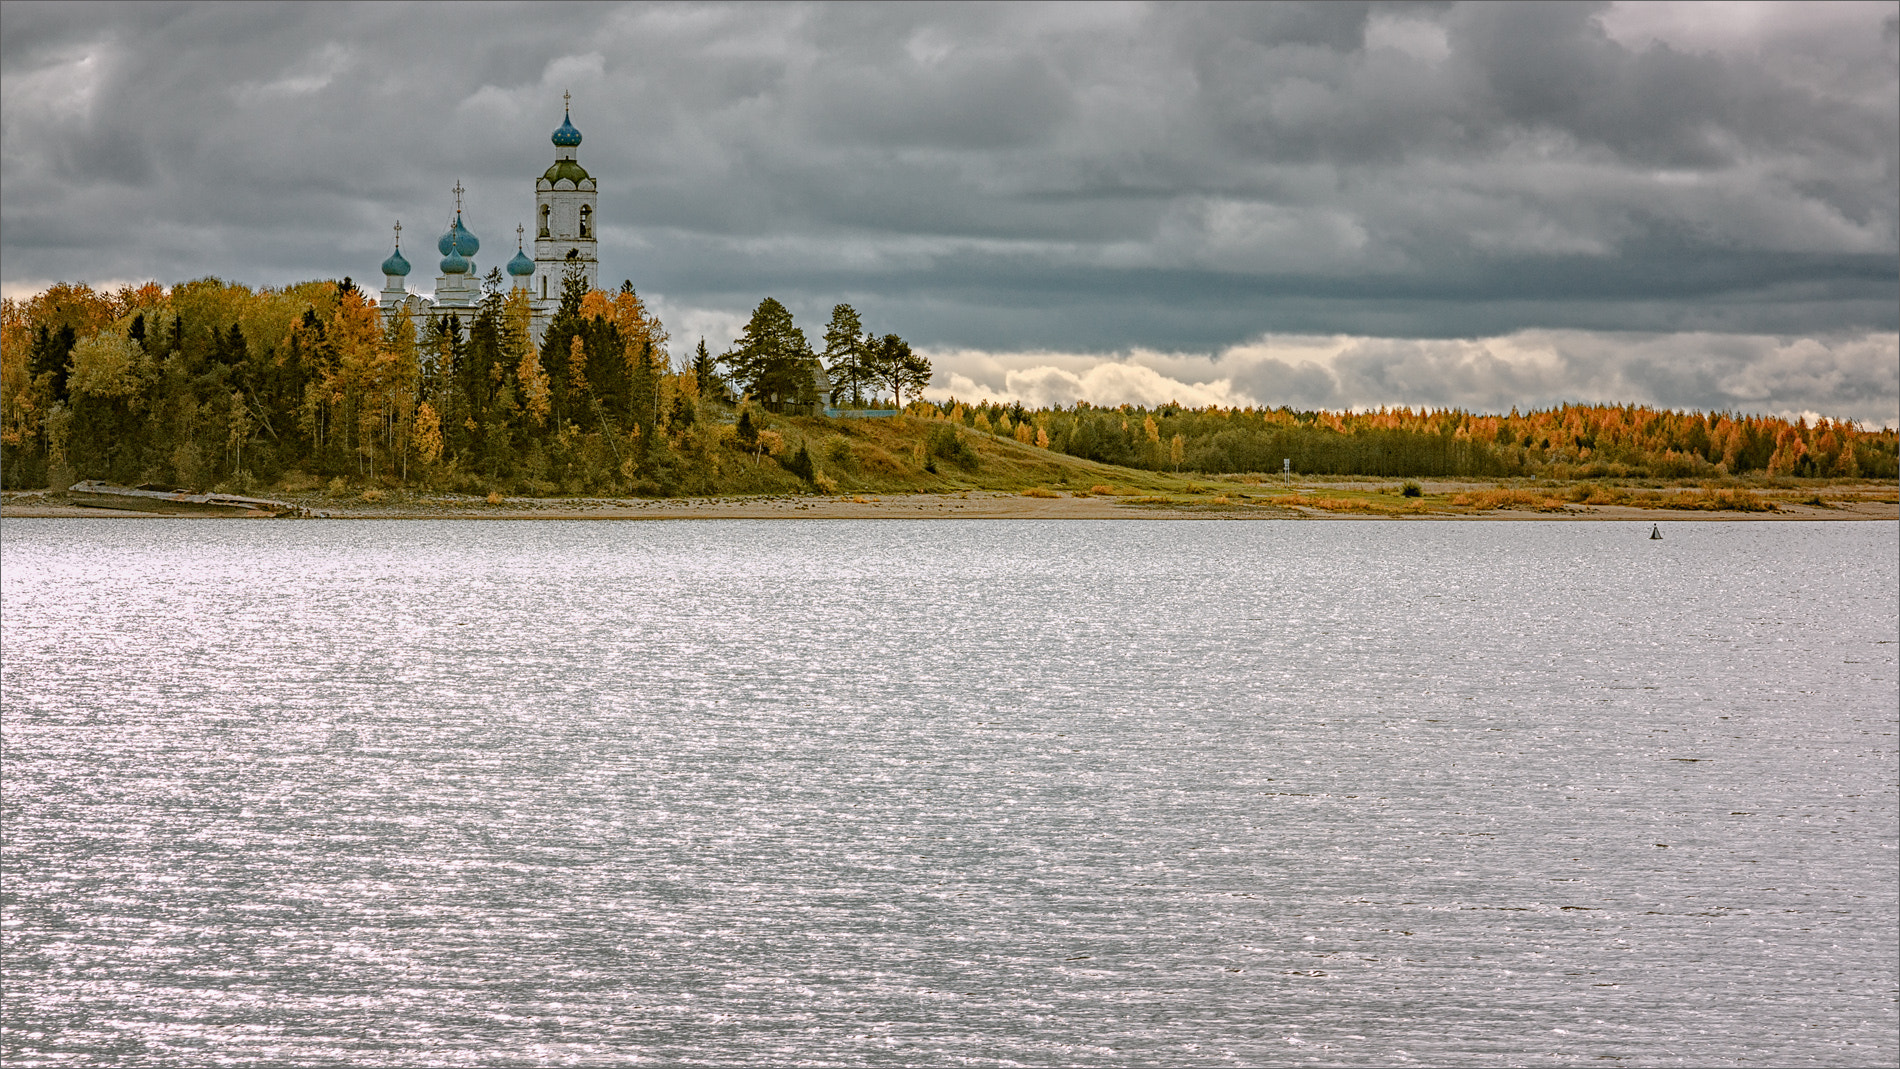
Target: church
x,y
565,203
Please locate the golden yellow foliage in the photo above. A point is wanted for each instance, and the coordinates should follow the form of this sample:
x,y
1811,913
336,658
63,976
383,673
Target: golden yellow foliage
x,y
535,394
428,433
1488,500
576,367
107,365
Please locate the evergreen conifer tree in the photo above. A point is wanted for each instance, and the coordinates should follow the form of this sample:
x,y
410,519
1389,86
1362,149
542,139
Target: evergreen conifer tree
x,y
705,370
557,343
896,366
845,352
772,361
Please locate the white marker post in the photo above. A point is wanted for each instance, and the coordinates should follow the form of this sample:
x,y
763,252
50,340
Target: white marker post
x,y
1286,468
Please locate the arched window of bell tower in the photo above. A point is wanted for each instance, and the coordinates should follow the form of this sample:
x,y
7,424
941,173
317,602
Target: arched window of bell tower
x,y
547,214
587,215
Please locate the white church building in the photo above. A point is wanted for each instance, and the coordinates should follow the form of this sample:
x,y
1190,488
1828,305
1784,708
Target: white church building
x,y
565,203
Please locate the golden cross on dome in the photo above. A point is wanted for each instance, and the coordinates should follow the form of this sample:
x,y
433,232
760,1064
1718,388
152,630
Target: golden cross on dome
x,y
567,99
458,196
519,231
399,233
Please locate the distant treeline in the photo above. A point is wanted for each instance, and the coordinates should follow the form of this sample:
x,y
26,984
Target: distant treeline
x,y
1571,441
213,384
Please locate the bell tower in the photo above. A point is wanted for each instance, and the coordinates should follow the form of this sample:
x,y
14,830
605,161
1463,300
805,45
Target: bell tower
x,y
565,200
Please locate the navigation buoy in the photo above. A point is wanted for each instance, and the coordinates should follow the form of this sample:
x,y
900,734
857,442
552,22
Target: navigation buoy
x,y
1655,531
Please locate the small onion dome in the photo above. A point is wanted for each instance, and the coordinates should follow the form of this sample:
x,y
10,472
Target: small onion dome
x,y
520,266
567,169
459,238
396,265
566,136
454,264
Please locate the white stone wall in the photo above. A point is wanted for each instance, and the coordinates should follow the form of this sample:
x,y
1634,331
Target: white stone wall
x,y
557,206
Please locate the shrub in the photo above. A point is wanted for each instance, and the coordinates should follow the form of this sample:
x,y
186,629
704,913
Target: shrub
x,y
1343,504
947,443
799,463
1411,489
1508,499
1037,491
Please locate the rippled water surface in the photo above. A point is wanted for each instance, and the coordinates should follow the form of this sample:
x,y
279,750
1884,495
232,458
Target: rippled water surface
x,y
949,792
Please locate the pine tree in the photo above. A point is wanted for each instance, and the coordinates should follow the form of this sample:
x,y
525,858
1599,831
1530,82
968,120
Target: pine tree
x,y
556,345
518,348
896,366
844,352
746,432
773,362
706,371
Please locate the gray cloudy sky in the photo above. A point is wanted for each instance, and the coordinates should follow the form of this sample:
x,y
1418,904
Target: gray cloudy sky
x,y
1337,204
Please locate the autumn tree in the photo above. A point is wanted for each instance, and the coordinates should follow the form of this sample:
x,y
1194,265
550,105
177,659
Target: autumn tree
x,y
563,327
518,345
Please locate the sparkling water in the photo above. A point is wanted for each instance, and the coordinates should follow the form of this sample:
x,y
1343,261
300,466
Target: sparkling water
x,y
947,792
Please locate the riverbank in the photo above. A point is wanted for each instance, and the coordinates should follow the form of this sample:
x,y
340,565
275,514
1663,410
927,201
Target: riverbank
x,y
1224,500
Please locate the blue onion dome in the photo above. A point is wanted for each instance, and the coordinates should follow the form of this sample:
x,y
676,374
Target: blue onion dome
x,y
521,266
566,136
396,265
458,237
454,264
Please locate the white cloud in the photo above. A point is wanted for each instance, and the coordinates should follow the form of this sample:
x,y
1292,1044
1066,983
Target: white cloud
x,y
1854,376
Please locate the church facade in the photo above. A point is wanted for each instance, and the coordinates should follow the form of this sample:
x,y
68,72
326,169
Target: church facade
x,y
566,206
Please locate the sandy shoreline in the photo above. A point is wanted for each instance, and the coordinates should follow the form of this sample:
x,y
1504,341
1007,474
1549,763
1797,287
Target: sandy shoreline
x,y
975,505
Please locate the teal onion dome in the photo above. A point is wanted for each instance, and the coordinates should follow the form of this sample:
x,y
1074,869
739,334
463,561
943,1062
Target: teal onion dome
x,y
566,136
454,264
521,266
396,265
459,239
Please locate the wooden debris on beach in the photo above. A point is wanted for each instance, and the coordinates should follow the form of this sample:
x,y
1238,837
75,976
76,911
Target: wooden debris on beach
x,y
92,494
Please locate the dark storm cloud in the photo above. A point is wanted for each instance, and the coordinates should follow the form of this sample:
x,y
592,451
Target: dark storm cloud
x,y
1072,177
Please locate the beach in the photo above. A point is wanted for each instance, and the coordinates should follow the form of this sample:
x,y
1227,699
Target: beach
x,y
1842,504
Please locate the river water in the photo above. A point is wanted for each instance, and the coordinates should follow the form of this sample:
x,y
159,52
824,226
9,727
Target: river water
x,y
945,792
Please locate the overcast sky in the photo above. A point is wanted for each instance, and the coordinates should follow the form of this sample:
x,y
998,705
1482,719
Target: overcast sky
x,y
1333,204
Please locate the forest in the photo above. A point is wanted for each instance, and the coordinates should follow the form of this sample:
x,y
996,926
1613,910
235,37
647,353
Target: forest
x,y
214,385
